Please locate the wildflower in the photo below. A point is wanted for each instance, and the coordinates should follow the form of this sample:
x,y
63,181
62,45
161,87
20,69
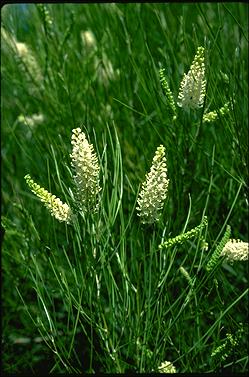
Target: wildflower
x,y
228,346
186,275
46,18
85,164
168,94
214,115
61,211
213,261
88,39
32,120
166,367
193,86
29,61
24,54
154,189
181,238
236,250
204,245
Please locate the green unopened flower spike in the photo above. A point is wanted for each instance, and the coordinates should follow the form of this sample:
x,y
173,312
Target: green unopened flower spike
x,y
218,250
187,276
154,190
86,167
168,94
193,86
228,346
212,116
179,240
236,250
61,211
46,17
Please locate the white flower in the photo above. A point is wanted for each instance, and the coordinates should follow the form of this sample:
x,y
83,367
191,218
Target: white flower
x,y
25,55
193,86
29,61
61,211
236,250
167,367
88,39
32,120
154,189
86,167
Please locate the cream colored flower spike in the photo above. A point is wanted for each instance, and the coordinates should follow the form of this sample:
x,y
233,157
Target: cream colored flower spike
x,y
154,190
86,167
236,250
193,86
167,367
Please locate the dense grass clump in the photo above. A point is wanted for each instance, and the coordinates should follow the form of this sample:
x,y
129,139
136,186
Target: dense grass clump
x,y
128,122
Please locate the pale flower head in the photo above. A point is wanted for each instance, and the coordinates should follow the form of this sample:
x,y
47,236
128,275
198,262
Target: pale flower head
x,y
193,86
24,54
154,190
166,367
32,120
236,250
86,167
88,39
22,48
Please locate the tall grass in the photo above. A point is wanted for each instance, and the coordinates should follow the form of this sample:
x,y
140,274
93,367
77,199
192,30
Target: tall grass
x,y
101,293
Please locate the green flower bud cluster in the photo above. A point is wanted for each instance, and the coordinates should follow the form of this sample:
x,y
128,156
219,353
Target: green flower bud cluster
x,y
222,352
168,94
179,240
212,116
185,273
154,189
61,211
218,250
46,17
193,86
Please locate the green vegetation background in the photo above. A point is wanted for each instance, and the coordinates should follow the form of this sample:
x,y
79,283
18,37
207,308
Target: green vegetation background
x,y
138,39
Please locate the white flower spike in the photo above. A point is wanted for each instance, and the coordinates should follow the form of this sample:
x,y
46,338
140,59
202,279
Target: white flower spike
x,y
193,86
154,190
86,167
167,367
